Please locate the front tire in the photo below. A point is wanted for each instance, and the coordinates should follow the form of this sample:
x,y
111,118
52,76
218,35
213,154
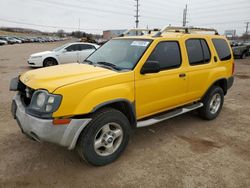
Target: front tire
x,y
213,102
105,138
49,62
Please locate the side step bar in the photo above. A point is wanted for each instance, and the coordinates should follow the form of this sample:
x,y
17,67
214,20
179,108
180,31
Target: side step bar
x,y
168,115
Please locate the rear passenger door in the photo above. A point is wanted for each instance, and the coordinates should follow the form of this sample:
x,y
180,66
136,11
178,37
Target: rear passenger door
x,y
157,92
199,60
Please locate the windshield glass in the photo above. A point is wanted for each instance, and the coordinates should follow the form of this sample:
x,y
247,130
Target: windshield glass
x,y
60,47
120,53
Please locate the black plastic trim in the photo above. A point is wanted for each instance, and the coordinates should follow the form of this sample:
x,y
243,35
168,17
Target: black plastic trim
x,y
230,82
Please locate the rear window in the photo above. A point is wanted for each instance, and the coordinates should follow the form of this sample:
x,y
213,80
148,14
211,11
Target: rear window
x,y
222,49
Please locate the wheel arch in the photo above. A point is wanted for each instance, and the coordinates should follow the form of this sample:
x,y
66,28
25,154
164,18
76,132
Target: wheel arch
x,y
123,105
222,82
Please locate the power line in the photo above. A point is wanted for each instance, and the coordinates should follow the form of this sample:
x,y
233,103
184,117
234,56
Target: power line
x,y
49,26
220,7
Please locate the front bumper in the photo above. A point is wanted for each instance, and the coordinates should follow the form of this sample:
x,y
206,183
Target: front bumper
x,y
44,130
35,62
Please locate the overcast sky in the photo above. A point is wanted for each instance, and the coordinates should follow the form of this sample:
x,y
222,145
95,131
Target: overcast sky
x,y
98,15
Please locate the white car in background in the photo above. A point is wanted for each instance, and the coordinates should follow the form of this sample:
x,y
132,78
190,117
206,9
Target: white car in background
x,y
68,53
3,42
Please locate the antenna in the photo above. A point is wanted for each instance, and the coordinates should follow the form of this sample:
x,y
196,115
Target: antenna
x,y
79,24
137,14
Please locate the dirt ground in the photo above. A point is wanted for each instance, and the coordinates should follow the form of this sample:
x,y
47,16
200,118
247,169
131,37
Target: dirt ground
x,y
182,152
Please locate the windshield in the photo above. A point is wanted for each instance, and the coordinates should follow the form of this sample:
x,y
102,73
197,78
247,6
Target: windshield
x,y
60,47
120,53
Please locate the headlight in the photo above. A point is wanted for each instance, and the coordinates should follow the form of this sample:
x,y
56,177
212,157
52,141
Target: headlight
x,y
40,100
43,104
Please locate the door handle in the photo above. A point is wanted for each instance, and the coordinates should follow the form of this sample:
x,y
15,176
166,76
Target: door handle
x,y
182,75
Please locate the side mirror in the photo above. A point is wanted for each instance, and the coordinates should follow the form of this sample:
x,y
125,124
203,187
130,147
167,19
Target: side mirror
x,y
150,67
64,51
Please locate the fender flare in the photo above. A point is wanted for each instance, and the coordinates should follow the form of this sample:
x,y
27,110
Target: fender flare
x,y
225,88
130,108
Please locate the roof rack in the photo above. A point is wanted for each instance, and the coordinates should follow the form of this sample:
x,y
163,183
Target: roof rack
x,y
184,30
138,31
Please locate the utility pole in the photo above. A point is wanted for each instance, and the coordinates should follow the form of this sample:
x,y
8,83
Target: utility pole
x,y
137,14
247,27
184,16
246,37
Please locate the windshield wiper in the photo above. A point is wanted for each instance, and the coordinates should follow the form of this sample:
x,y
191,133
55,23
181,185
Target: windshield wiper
x,y
88,61
107,64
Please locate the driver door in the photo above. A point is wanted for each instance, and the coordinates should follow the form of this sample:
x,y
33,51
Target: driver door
x,y
69,54
158,92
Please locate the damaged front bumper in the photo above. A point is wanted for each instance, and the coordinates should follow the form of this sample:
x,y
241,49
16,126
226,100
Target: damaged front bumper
x,y
44,130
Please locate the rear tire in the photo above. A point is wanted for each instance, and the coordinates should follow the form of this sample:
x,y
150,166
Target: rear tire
x,y
105,137
49,62
213,102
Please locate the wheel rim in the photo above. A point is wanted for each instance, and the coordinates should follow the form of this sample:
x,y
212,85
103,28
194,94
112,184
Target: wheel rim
x,y
49,63
215,103
108,139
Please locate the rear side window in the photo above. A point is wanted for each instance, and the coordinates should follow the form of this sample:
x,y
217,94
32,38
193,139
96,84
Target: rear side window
x,y
222,49
167,54
198,51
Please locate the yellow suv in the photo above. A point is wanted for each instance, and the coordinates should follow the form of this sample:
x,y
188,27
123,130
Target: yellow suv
x,y
129,82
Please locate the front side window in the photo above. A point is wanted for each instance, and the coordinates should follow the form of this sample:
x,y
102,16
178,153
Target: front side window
x,y
74,47
120,53
222,49
167,54
198,51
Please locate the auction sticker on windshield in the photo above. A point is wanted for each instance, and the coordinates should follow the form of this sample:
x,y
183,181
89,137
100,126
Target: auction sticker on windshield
x,y
139,43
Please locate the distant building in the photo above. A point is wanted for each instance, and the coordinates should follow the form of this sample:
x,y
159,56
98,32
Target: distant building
x,y
230,33
109,34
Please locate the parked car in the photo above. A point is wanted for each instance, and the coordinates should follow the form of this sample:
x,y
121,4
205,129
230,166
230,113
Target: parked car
x,y
8,39
247,44
239,49
3,42
127,83
68,53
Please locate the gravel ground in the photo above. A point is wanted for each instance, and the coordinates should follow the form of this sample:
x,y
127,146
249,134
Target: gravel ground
x,y
181,152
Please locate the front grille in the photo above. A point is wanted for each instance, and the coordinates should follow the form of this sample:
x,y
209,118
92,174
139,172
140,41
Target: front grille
x,y
25,93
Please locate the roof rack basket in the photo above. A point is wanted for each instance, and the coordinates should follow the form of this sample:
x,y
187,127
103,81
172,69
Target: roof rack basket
x,y
185,30
137,31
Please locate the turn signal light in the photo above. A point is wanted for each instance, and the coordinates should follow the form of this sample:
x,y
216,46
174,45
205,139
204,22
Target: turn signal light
x,y
61,121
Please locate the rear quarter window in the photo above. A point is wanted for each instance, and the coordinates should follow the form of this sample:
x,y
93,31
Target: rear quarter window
x,y
222,49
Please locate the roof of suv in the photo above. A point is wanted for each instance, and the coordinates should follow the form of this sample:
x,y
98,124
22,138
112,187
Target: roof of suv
x,y
178,32
171,35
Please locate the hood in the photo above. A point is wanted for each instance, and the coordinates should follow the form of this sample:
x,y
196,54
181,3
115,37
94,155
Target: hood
x,y
41,53
51,78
